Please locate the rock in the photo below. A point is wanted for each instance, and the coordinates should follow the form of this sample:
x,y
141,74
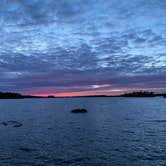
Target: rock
x,y
12,123
4,123
26,149
79,111
18,125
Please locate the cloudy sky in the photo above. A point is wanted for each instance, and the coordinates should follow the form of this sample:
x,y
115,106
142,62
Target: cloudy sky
x,y
80,47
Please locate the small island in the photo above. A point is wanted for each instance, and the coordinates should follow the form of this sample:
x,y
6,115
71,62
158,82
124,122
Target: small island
x,y
139,94
51,96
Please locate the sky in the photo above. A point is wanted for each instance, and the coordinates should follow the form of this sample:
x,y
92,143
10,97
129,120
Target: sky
x,y
82,47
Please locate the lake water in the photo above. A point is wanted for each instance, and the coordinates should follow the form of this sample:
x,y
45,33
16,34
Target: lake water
x,y
115,132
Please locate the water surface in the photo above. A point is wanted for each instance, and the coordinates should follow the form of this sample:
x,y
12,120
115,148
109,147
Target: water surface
x,y
115,131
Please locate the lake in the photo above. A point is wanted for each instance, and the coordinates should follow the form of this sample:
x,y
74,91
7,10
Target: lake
x,y
114,132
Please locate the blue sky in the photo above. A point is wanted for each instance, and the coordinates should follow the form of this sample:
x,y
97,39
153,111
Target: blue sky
x,y
82,46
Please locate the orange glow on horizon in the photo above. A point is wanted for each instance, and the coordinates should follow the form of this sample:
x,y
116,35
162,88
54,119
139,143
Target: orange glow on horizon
x,y
112,92
83,93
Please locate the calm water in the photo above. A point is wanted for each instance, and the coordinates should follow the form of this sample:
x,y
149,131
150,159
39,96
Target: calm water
x,y
115,131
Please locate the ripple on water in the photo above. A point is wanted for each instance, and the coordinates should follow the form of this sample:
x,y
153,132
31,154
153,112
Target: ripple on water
x,y
62,161
159,121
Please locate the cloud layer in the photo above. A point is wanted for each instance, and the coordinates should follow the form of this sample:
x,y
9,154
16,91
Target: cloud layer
x,y
82,46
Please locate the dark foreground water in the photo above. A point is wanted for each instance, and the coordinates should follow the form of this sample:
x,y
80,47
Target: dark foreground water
x,y
115,132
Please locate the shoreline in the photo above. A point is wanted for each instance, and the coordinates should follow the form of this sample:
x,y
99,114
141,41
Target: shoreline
x,y
81,97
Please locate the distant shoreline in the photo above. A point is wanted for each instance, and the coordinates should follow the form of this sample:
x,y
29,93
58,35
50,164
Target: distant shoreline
x,y
93,96
138,94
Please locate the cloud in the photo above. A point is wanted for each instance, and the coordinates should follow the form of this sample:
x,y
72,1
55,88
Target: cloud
x,y
77,45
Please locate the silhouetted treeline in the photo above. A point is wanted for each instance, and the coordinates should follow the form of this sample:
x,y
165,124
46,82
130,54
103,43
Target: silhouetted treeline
x,y
12,95
9,95
139,94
